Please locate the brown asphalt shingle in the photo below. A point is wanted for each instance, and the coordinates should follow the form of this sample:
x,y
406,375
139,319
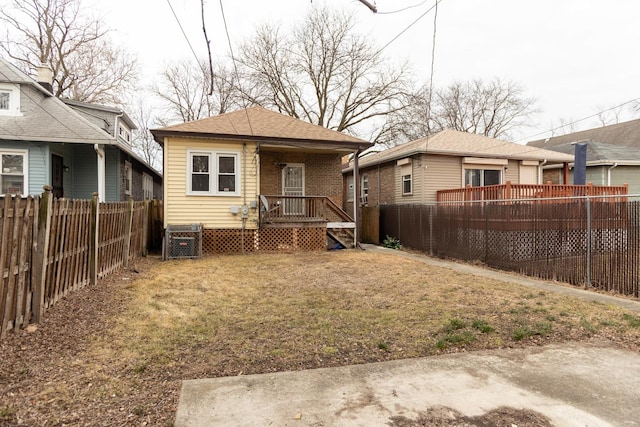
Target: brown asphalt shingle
x,y
255,122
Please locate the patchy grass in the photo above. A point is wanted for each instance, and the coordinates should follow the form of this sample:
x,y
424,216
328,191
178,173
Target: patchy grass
x,y
232,315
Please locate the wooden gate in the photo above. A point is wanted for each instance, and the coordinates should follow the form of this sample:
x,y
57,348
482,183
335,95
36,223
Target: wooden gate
x,y
370,232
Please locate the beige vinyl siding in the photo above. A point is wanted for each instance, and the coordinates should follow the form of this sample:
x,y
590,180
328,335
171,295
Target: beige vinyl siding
x,y
211,211
513,172
621,175
416,182
442,173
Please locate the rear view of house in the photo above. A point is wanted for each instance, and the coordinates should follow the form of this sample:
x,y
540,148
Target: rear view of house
x,y
257,180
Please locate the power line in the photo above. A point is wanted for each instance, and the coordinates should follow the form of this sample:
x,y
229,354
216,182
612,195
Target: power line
x,y
409,26
579,120
183,32
403,9
235,65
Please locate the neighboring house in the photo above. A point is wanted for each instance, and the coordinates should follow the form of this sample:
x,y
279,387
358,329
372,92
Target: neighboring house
x,y
69,145
607,164
256,180
413,172
626,134
612,154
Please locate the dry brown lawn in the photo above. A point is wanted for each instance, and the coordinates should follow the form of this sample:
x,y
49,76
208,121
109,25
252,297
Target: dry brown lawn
x,y
115,354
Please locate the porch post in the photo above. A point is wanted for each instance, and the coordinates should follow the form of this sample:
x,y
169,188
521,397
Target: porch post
x,y
565,173
356,196
101,190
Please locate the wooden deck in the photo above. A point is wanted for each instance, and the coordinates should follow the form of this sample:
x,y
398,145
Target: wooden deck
x,y
548,192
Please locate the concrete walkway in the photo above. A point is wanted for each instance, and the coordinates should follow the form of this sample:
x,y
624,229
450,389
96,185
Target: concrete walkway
x,y
572,384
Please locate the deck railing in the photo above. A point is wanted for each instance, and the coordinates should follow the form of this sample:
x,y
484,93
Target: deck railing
x,y
300,209
510,191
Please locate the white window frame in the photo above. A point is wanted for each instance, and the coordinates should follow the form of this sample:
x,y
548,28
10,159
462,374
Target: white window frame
x,y
364,189
350,188
147,186
128,175
14,99
482,169
213,172
25,166
406,175
124,134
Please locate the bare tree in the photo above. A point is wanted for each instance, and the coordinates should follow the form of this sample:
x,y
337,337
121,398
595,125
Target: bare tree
x,y
609,116
322,72
143,143
185,89
494,108
86,66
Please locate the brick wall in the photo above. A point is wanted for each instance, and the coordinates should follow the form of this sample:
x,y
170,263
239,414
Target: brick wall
x,y
322,173
382,189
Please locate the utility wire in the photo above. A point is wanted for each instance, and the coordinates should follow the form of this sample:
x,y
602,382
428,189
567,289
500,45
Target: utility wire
x,y
433,60
183,32
408,27
403,9
235,65
579,120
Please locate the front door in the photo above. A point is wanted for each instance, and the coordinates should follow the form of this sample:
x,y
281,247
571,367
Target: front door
x,y
57,170
293,185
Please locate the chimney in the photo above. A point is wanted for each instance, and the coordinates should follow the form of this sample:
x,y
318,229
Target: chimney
x,y
45,77
580,163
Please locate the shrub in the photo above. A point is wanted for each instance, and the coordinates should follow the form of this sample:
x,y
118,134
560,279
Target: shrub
x,y
391,243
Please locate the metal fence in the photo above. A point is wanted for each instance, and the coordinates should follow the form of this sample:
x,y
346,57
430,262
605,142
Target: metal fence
x,y
585,241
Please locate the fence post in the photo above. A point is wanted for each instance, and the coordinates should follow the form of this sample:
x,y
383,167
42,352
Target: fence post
x,y
146,221
93,242
127,233
40,259
588,242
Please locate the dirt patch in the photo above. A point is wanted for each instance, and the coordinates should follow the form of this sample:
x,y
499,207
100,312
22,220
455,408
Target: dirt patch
x,y
440,416
116,353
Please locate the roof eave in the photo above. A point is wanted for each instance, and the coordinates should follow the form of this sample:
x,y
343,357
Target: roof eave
x,y
159,135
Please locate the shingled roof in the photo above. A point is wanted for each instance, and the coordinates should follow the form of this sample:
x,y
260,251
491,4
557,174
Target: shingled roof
x,y
260,124
454,143
45,118
603,153
626,134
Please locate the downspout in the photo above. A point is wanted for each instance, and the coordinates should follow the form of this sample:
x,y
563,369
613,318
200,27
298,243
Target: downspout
x,y
615,165
99,149
544,162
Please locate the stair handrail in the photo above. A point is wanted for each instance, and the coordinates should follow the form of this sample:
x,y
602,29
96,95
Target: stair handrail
x,y
337,210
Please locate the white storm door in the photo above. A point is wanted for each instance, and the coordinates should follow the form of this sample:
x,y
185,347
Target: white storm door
x,y
293,185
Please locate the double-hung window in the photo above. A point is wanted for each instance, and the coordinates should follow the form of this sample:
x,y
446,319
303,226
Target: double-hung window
x,y
9,99
212,173
13,172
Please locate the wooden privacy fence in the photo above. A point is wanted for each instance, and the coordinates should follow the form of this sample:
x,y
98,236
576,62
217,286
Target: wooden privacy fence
x,y
50,248
585,241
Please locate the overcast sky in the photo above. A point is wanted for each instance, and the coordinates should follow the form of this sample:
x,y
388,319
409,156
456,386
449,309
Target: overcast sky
x,y
575,57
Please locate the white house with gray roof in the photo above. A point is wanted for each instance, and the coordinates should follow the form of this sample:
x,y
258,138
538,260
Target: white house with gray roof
x,y
77,148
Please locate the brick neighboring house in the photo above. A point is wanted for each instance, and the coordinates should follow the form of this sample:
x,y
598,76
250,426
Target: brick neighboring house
x,y
413,172
77,148
257,180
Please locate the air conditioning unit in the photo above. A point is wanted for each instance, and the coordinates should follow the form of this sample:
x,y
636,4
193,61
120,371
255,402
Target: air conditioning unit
x,y
182,241
183,247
